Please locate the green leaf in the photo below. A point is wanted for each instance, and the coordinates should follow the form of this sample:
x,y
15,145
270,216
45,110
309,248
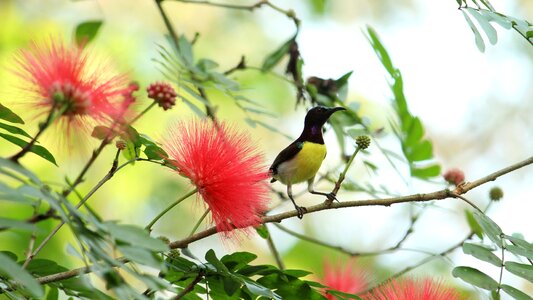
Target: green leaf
x,y
135,236
155,152
237,260
475,277
515,293
14,130
529,34
479,40
53,294
86,32
141,255
260,290
297,273
343,80
11,269
36,149
44,267
522,270
211,258
9,255
130,152
415,132
517,250
185,50
491,229
275,57
206,64
16,224
425,172
262,231
485,25
498,18
482,253
473,224
419,152
517,241
342,295
9,115
380,51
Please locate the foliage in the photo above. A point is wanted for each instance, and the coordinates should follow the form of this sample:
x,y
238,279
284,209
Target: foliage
x,y
131,262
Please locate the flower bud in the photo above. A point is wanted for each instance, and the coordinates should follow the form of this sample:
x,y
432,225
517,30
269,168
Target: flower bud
x,y
454,176
163,94
496,194
362,141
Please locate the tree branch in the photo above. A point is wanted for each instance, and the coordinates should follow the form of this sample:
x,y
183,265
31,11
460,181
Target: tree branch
x,y
438,195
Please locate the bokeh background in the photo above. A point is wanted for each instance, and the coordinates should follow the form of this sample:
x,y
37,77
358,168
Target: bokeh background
x,y
476,108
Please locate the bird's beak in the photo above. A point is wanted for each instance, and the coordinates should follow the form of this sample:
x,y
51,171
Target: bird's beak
x,y
335,109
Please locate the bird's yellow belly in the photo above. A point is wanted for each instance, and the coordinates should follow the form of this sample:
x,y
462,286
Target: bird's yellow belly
x,y
303,166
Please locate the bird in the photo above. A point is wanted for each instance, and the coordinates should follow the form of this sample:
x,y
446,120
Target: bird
x,y
301,160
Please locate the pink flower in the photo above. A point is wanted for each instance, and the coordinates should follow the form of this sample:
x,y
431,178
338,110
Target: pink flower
x,y
61,77
454,176
347,279
226,169
410,289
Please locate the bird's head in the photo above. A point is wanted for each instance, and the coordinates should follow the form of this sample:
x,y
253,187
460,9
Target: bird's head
x,y
317,116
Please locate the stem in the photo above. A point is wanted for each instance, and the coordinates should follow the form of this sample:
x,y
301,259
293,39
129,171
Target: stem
x,y
502,266
467,201
191,285
143,112
161,214
42,127
199,222
274,250
343,174
168,25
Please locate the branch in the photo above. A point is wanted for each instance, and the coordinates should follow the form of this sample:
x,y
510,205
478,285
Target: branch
x,y
438,195
191,285
289,13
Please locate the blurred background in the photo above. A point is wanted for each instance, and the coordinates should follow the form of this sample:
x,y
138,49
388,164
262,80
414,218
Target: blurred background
x,y
476,108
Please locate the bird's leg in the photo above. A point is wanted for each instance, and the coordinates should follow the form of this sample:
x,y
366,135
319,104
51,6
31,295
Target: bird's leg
x,y
300,209
331,196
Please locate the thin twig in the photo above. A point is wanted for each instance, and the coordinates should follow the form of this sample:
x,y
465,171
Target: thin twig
x,y
467,201
202,218
191,285
163,212
42,127
274,250
289,13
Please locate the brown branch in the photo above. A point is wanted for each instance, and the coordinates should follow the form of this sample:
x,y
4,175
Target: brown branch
x,y
438,195
191,285
289,13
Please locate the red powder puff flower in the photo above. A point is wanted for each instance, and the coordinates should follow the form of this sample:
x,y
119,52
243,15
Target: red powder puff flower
x,y
346,279
226,169
454,176
62,78
410,289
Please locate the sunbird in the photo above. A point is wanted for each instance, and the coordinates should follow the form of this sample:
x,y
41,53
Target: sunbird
x,y
301,160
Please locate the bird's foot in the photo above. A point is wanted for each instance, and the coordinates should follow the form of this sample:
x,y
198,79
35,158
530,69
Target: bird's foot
x,y
331,197
301,211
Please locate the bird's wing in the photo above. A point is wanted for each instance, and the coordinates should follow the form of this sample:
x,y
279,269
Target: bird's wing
x,y
285,155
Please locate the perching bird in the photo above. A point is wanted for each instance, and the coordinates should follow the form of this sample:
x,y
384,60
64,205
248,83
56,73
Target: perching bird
x,y
301,160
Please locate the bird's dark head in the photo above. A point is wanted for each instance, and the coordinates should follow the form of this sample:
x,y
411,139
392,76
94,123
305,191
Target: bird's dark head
x,y
317,116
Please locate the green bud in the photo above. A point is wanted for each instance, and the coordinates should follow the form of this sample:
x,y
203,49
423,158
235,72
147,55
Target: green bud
x,y
362,141
164,239
496,194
